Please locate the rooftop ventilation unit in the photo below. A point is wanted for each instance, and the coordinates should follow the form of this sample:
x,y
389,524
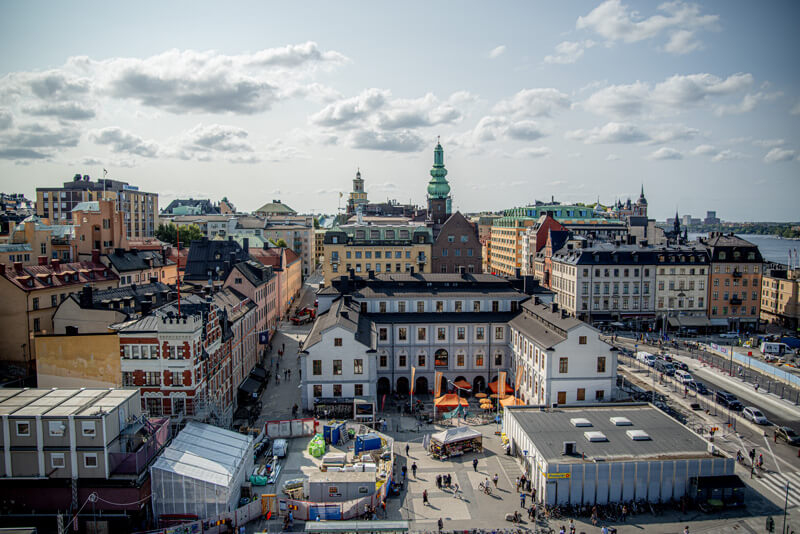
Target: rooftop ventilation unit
x,y
621,421
638,435
580,421
568,448
595,436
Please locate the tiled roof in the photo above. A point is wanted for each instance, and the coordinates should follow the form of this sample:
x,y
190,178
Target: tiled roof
x,y
346,316
35,277
229,300
93,205
216,257
256,273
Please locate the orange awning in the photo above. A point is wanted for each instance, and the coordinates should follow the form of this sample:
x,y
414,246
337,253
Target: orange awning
x,y
463,384
511,401
450,400
494,386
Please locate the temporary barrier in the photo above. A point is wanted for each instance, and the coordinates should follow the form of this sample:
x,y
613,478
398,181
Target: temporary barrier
x,y
291,428
755,363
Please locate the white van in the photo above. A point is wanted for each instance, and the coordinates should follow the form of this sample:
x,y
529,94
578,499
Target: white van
x,y
774,349
683,377
279,447
646,358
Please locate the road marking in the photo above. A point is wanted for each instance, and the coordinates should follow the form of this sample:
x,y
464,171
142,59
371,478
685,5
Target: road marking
x,y
777,484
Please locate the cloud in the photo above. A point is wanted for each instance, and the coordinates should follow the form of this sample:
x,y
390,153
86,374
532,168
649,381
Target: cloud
x,y
41,136
533,152
122,141
528,103
779,154
665,153
769,143
674,95
748,103
612,157
728,155
396,141
343,113
497,51
704,150
673,132
21,154
6,119
795,109
215,138
569,52
679,21
525,130
613,132
61,110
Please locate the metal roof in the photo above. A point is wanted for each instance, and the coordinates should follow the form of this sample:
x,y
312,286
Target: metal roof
x,y
550,429
62,402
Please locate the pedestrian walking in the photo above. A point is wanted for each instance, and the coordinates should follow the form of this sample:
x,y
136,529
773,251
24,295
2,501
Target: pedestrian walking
x,y
562,530
475,465
283,347
604,530
407,449
571,526
290,374
439,481
517,483
686,530
425,497
528,485
414,469
495,478
522,500
531,512
455,491
594,516
441,524
624,513
300,374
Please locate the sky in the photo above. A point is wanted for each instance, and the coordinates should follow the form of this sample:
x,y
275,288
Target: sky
x,y
697,102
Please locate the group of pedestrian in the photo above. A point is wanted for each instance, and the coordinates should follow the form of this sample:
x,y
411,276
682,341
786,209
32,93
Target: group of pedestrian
x,y
287,374
443,481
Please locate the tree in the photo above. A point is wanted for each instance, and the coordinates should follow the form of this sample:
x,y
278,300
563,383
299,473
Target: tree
x,y
279,243
316,222
169,234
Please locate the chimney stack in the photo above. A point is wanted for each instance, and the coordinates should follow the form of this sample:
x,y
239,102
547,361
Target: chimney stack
x,y
554,307
18,266
55,264
95,255
86,296
42,260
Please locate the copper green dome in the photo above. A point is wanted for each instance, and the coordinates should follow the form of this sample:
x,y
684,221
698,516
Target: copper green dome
x,y
438,186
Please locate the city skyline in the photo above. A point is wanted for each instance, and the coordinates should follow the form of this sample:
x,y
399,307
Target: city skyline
x,y
697,102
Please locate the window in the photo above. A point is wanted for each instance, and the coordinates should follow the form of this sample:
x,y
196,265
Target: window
x,y
90,460
23,429
461,333
57,460
476,306
88,428
53,300
479,360
498,332
582,340
563,365
421,360
599,394
458,306
421,334
337,367
56,428
337,390
439,306
382,307
581,394
479,333
358,390
460,360
383,360
401,306
495,306
317,390
35,303
358,366
601,364
441,334
441,358
402,360
420,306
337,342
317,368
402,334
498,360
127,378
383,334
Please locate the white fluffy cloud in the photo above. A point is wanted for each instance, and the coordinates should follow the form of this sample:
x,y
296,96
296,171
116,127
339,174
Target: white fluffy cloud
x,y
568,52
779,154
122,141
673,132
748,103
678,21
613,132
528,103
497,51
534,152
717,155
665,153
394,141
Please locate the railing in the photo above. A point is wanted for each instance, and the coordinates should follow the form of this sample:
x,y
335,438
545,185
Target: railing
x,y
133,463
737,274
736,301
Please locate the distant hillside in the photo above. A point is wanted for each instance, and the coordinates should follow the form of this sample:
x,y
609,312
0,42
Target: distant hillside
x,y
758,228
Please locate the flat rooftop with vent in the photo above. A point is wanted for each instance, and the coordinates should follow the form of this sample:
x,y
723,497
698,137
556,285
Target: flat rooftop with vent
x,y
609,452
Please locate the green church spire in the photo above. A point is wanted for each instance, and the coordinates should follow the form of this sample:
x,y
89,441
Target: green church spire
x,y
438,186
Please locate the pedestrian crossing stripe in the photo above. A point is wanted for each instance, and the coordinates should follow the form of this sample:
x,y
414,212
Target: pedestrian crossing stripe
x,y
777,483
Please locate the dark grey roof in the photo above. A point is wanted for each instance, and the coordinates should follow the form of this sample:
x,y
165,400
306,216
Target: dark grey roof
x,y
550,429
440,318
205,205
469,291
735,249
329,290
603,253
136,260
256,273
216,258
345,315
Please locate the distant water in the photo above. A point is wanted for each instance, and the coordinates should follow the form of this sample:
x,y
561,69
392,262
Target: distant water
x,y
772,248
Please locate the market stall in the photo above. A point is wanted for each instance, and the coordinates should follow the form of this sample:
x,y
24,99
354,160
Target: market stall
x,y
449,401
511,401
455,442
493,386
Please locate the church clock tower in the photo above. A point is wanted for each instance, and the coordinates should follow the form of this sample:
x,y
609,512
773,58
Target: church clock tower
x,y
439,201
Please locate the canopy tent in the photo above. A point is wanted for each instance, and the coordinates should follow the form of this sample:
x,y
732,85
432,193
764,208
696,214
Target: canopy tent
x,y
511,401
455,434
481,395
449,401
463,384
493,386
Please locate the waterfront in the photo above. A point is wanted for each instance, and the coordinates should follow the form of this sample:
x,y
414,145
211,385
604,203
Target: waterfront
x,y
771,247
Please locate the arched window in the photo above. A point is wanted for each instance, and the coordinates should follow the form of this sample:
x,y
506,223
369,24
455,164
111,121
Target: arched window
x,y
441,358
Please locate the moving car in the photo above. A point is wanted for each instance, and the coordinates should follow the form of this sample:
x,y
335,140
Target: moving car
x,y
788,435
646,357
683,377
663,366
729,400
751,413
729,335
680,365
699,387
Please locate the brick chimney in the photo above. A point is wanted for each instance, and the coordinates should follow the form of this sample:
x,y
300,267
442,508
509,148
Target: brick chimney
x,y
55,264
18,266
95,256
42,260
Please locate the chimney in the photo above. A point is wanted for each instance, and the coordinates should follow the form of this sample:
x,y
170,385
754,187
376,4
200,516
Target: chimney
x,y
95,256
246,244
371,274
55,264
42,260
163,255
643,243
86,296
563,314
412,270
119,251
133,288
352,274
517,272
554,307
147,306
18,266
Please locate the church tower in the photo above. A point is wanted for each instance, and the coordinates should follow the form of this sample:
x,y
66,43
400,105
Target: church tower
x,y
357,195
439,201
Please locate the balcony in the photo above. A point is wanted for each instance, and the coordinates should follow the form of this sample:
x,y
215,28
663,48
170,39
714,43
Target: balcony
x,y
736,301
144,438
422,258
737,273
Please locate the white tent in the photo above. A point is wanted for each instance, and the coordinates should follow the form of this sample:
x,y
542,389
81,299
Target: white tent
x,y
201,472
459,433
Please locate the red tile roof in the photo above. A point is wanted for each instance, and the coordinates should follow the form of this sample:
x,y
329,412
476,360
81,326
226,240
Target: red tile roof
x,y
35,277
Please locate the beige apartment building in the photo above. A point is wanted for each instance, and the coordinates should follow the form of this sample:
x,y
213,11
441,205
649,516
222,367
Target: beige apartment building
x,y
98,226
319,244
378,248
780,296
681,286
139,209
505,250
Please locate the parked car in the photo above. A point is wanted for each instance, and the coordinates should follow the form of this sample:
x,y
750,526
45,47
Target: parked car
x,y
751,413
680,365
667,357
646,357
788,435
729,335
663,366
729,400
683,377
699,387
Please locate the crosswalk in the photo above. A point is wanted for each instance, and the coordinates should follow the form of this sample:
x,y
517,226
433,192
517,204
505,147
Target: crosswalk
x,y
777,483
